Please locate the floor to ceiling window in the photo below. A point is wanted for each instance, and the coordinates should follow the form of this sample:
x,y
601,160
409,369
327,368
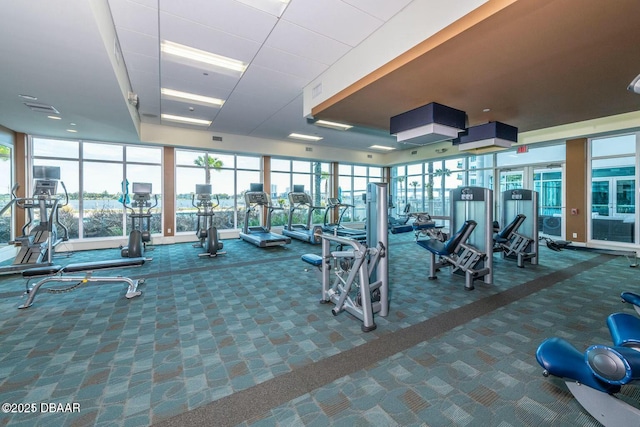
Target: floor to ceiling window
x,y
230,177
95,177
6,183
352,187
287,174
613,188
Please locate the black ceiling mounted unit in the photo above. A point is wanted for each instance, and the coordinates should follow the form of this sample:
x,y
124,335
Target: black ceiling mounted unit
x,y
428,124
488,135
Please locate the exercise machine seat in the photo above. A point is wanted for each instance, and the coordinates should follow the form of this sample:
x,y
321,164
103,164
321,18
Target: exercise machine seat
x,y
49,270
624,329
631,298
46,270
614,365
504,235
449,247
561,359
313,259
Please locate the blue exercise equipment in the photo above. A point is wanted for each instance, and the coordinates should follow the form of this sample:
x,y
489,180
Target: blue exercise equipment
x,y
597,374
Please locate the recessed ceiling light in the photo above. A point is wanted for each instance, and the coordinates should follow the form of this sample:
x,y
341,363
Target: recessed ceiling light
x,y
202,57
486,110
29,97
189,120
382,147
185,96
55,117
72,124
72,130
332,125
304,137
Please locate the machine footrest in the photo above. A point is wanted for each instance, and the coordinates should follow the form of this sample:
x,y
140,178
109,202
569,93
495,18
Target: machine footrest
x,y
313,259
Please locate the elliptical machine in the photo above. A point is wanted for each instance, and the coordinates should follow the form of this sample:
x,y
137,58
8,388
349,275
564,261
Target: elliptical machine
x,y
140,233
205,230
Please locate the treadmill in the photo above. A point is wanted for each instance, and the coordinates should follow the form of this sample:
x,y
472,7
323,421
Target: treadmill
x,y
336,228
309,233
260,236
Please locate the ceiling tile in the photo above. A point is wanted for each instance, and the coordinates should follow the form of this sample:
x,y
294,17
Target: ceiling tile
x,y
381,9
287,63
225,15
134,16
143,44
198,36
302,42
332,18
262,83
193,77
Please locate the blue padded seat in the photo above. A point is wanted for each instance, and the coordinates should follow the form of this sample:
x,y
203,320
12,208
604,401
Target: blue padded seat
x,y
401,229
631,298
46,270
103,265
624,329
559,358
615,365
504,235
313,259
446,248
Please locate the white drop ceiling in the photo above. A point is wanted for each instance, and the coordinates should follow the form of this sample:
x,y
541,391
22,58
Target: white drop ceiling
x,y
54,50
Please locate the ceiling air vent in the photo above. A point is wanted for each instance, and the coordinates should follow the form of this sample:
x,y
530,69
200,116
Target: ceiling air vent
x,y
216,138
428,124
41,108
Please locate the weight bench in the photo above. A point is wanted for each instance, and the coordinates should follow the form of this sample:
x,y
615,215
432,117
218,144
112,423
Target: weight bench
x,y
631,298
56,273
511,243
594,376
456,254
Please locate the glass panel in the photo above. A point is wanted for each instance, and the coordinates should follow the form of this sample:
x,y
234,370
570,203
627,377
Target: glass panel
x,y
69,215
5,193
612,146
245,178
55,148
144,155
548,184
625,196
101,151
344,169
224,187
510,180
414,169
359,170
600,198
375,172
359,190
186,158
302,179
298,166
280,165
280,186
552,153
186,180
101,208
243,162
153,175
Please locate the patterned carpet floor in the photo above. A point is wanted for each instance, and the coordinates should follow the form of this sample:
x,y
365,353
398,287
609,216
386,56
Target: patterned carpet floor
x,y
242,340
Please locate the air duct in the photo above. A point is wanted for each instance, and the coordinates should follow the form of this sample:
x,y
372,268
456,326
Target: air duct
x,y
428,124
488,135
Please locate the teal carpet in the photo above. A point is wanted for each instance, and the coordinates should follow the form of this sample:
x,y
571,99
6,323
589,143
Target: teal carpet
x,y
242,340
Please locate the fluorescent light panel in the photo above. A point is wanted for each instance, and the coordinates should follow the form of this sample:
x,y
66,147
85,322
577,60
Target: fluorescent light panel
x,y
305,137
201,56
189,120
185,96
333,125
382,147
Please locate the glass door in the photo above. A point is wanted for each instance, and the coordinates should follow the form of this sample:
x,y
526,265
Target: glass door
x,y
613,209
548,183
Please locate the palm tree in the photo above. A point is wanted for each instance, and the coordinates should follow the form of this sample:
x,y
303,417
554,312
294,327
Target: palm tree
x,y
208,163
400,180
414,184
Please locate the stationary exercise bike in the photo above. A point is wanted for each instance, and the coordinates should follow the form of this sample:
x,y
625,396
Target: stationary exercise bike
x,y
140,233
205,230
